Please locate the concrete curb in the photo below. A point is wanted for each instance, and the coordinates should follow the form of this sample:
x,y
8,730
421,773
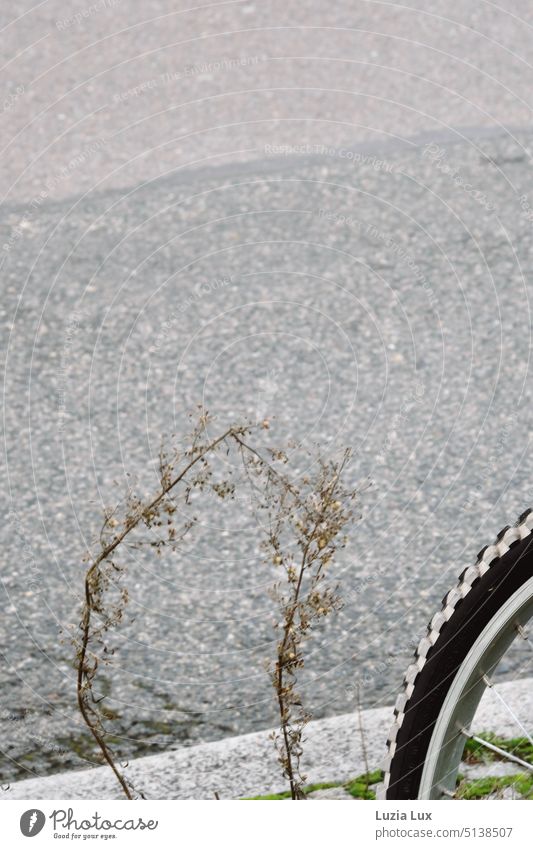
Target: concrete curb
x,y
247,766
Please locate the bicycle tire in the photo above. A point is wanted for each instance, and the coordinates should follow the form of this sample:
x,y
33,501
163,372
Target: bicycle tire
x,y
467,611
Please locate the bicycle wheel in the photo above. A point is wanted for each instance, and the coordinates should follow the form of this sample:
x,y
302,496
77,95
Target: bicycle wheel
x,y
481,617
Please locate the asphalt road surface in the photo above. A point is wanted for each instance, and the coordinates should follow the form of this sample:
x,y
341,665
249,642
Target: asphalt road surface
x,y
322,217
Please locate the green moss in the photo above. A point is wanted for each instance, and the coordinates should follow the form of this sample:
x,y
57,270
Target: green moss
x,y
325,785
269,797
481,787
521,747
359,787
475,752
310,788
524,785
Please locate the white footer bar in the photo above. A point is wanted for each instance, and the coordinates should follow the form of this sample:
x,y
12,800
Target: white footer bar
x,y
318,823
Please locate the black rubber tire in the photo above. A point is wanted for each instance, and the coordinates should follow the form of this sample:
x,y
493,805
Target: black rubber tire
x,y
471,615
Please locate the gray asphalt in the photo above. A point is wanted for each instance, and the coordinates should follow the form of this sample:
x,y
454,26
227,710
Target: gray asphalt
x,y
372,291
161,85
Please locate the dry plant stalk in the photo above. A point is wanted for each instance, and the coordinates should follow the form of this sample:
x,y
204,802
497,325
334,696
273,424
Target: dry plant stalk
x,y
306,523
183,471
361,728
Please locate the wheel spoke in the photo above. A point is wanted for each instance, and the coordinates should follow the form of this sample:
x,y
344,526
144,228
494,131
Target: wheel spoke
x,y
507,755
525,635
507,707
